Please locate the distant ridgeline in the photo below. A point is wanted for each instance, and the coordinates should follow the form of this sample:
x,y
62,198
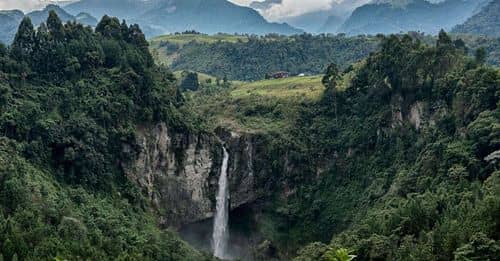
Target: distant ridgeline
x,y
396,16
486,22
158,17
70,98
10,20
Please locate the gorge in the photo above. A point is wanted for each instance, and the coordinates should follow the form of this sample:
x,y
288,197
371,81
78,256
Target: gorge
x,y
104,156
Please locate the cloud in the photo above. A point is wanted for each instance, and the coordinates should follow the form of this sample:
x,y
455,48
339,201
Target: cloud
x,y
290,8
287,8
18,4
25,5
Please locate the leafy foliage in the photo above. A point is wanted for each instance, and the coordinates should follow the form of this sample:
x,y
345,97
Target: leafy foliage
x,y
70,99
258,56
398,188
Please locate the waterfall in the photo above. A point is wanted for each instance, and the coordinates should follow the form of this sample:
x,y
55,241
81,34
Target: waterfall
x,y
220,234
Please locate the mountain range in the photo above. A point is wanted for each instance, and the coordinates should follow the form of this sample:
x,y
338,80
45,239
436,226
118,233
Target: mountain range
x,y
486,22
320,21
408,15
10,20
168,16
157,17
386,16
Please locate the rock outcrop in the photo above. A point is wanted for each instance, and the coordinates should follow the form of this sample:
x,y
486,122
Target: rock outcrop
x,y
178,172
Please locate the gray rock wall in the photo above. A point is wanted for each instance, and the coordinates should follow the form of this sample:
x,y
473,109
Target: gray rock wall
x,y
178,172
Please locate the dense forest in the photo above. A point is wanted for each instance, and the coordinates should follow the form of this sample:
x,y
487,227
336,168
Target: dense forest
x,y
397,160
250,58
411,150
70,98
253,59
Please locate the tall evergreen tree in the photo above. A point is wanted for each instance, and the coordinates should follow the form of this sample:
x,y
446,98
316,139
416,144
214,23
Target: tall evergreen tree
x,y
23,44
55,26
443,39
109,27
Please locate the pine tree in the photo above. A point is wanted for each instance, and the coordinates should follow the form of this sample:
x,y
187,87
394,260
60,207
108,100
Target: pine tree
x,y
55,26
480,55
443,39
109,27
24,42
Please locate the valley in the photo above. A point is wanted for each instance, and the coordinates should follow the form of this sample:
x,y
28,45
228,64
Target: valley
x,y
146,139
342,151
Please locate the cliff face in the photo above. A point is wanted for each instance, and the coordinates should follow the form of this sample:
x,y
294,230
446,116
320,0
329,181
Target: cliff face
x,y
178,172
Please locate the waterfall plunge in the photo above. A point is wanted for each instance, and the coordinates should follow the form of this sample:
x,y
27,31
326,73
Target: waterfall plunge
x,y
220,235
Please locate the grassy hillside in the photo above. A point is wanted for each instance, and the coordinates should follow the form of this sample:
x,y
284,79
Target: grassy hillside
x,y
263,106
308,88
167,48
185,38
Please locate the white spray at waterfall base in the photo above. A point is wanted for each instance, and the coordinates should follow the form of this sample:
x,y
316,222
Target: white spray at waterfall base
x,y
220,235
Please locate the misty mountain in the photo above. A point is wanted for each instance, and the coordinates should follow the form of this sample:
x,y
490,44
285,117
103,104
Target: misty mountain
x,y
486,22
167,16
40,16
123,9
408,15
310,22
37,17
320,21
332,24
10,20
86,18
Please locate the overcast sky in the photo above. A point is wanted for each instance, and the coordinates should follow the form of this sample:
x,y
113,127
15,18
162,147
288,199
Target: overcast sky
x,y
290,7
25,5
285,9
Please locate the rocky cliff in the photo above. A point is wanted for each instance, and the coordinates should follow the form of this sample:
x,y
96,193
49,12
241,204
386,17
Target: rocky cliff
x,y
178,172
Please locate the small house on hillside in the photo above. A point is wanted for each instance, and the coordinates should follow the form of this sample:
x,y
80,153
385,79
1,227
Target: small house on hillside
x,y
280,75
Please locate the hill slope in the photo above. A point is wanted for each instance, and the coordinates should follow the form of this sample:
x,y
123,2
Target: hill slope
x,y
37,17
486,22
69,97
207,16
251,58
397,158
415,15
315,21
10,20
